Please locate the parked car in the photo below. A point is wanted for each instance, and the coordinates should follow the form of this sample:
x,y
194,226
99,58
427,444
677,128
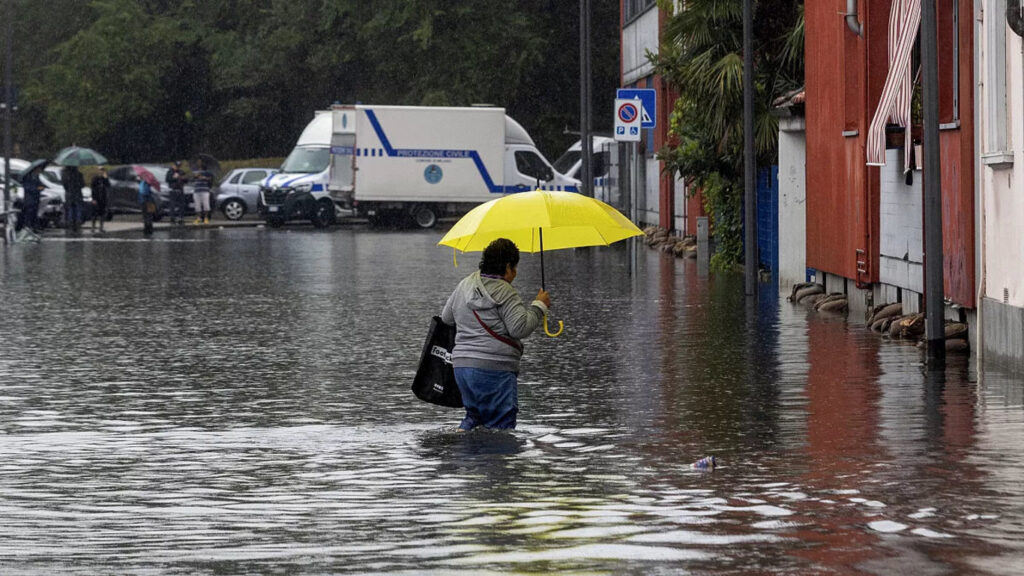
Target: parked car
x,y
123,197
240,191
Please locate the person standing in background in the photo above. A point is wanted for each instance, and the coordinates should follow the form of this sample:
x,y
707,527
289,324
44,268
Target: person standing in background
x,y
30,206
73,183
203,182
176,180
100,186
147,203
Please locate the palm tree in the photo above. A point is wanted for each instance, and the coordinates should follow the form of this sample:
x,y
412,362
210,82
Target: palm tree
x,y
702,58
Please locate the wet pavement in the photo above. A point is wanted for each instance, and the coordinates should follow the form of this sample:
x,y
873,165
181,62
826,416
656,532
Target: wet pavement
x,y
237,401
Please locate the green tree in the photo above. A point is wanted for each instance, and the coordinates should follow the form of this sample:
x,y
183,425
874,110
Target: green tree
x,y
702,57
158,79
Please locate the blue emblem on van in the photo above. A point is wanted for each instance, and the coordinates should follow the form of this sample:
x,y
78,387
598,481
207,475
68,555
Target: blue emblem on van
x,y
433,174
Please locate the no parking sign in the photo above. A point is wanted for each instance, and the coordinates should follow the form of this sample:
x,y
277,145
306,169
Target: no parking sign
x,y
627,120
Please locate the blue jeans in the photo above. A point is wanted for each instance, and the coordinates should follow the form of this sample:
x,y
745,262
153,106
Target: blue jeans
x,y
491,398
73,214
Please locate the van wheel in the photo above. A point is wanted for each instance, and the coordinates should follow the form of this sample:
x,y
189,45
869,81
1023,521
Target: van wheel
x,y
425,217
233,209
323,213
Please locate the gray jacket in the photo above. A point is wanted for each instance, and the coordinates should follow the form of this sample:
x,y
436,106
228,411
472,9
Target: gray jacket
x,y
500,307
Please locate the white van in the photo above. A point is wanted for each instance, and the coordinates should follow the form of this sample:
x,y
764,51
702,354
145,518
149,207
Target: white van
x,y
570,163
299,189
423,162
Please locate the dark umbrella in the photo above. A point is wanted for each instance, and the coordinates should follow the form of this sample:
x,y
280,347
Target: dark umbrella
x,y
36,165
77,156
147,176
210,164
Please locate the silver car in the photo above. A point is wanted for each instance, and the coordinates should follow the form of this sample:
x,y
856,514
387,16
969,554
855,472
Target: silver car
x,y
240,191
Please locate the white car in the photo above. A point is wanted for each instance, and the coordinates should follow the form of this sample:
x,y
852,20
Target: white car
x,y
51,198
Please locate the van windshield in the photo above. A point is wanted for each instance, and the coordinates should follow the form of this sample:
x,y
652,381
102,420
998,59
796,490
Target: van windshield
x,y
307,161
566,161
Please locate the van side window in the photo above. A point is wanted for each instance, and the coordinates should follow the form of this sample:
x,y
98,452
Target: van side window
x,y
234,179
529,164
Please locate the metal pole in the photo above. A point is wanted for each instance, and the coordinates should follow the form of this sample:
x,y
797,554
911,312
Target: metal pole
x,y
588,142
8,110
933,257
540,233
634,184
749,160
586,145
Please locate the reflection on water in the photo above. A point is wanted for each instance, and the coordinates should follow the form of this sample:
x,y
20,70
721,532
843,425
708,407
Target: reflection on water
x,y
237,402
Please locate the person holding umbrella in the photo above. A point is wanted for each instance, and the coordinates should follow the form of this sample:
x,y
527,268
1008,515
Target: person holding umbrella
x,y
491,321
71,158
33,186
147,198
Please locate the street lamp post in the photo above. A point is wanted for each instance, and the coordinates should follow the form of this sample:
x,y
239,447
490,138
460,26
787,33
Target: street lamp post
x,y
8,110
586,142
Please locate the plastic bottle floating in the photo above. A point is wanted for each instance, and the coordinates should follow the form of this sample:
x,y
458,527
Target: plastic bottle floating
x,y
705,463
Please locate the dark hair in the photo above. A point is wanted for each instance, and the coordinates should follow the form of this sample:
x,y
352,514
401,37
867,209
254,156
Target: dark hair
x,y
498,256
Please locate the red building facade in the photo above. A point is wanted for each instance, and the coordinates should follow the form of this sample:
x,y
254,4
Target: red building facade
x,y
845,74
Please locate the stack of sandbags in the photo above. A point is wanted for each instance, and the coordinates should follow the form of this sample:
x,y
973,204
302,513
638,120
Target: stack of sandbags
x,y
956,337
687,248
882,316
909,327
806,290
655,235
659,238
835,302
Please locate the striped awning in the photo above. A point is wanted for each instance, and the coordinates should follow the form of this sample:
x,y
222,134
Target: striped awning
x,y
904,22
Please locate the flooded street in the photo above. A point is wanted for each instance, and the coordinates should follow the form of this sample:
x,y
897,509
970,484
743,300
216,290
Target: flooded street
x,y
237,401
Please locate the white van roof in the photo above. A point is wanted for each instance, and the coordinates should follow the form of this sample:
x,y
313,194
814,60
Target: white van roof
x,y
317,132
516,134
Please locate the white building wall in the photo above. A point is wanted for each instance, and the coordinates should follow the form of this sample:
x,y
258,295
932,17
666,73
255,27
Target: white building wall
x,y
901,256
679,218
639,37
651,191
792,202
1003,184
1001,138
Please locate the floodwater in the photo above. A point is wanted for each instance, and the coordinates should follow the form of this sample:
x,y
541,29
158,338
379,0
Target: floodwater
x,y
237,401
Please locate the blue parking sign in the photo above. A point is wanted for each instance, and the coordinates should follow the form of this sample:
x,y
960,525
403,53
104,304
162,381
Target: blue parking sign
x,y
648,104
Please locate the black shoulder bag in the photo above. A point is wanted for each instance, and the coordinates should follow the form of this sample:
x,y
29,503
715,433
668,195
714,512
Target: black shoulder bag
x,y
435,377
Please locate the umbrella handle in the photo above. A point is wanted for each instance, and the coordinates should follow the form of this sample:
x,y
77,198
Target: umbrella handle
x,y
561,326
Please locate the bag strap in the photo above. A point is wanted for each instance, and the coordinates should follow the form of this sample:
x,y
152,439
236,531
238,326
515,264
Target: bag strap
x,y
501,338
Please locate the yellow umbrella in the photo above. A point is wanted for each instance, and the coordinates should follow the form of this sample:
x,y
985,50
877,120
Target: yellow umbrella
x,y
539,219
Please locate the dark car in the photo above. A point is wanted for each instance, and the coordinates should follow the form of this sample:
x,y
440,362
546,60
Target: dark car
x,y
123,197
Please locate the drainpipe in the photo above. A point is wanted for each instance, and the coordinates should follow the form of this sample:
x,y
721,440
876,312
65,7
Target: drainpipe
x,y
851,18
979,202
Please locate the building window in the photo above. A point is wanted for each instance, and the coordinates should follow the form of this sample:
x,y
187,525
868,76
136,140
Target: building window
x,y
997,140
634,8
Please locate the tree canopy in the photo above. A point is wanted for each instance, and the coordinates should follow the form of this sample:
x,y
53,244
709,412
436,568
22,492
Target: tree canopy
x,y
158,79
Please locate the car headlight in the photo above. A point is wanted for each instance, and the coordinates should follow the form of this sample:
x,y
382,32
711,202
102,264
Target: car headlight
x,y
304,188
